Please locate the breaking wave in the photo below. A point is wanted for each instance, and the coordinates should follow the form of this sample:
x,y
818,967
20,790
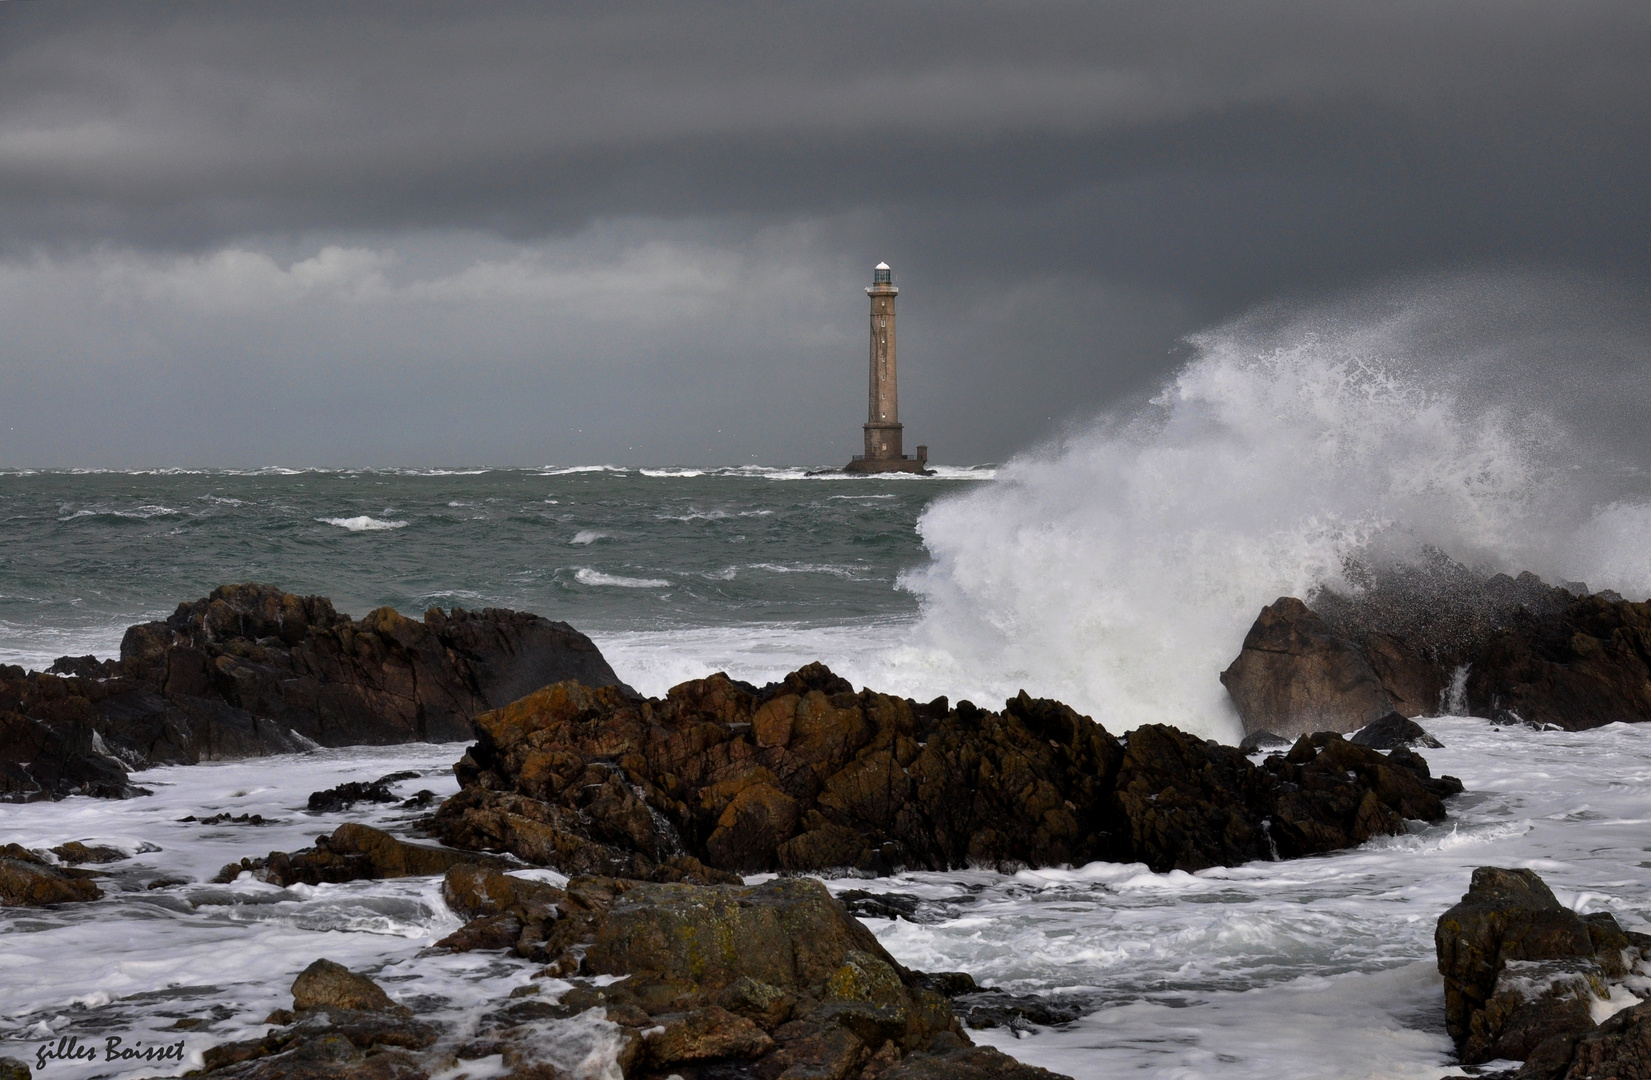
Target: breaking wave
x,y
1120,568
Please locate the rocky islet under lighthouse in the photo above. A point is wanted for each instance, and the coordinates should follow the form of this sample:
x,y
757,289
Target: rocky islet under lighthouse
x,y
884,452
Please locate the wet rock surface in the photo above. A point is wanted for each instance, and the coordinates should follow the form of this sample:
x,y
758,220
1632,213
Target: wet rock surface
x,y
806,775
1393,731
28,880
770,981
1435,637
1526,978
253,670
353,852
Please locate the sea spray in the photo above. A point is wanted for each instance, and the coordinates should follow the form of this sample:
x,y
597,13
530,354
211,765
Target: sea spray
x,y
1119,569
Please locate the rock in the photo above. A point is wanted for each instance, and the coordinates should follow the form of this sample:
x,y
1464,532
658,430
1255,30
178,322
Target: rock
x,y
1261,740
769,981
75,853
12,1069
352,852
806,775
1295,677
1393,731
27,880
348,794
1438,637
1619,1049
974,1063
252,670
997,1008
1520,968
327,983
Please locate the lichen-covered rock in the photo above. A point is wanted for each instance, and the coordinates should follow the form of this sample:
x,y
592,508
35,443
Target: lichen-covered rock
x,y
253,670
1521,969
776,980
807,775
27,880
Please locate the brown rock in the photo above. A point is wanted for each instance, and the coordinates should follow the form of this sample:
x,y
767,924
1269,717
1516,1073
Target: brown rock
x,y
592,781
351,853
973,1063
1519,967
74,853
12,1069
1294,676
704,1033
27,880
327,983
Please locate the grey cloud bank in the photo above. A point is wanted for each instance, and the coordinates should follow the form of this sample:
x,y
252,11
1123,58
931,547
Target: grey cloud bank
x,y
409,234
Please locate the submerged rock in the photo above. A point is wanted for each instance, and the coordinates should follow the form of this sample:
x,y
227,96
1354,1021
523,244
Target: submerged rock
x,y
1524,975
1436,637
27,880
253,670
348,794
806,775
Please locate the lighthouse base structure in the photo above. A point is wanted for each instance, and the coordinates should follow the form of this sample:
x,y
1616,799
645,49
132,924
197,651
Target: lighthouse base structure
x,y
883,454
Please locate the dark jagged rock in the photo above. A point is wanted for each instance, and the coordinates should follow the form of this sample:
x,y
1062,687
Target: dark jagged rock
x,y
1433,636
12,1069
998,1008
1393,731
348,794
808,775
351,853
895,906
252,670
1522,971
1262,740
27,880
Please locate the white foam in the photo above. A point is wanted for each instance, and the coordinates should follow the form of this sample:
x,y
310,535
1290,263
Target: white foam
x,y
1120,570
589,536
363,523
586,576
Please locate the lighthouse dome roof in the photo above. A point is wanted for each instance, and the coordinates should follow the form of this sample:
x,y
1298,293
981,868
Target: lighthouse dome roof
x,y
881,266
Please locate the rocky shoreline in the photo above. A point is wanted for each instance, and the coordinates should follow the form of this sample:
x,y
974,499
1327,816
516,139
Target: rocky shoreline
x,y
656,808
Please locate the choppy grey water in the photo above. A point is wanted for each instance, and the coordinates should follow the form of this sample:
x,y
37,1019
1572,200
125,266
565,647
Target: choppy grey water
x,y
722,555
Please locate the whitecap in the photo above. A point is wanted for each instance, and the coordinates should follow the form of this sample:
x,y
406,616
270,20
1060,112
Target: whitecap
x,y
363,523
589,536
584,575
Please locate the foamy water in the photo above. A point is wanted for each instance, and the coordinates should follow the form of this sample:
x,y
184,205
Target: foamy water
x,y
1314,968
1119,570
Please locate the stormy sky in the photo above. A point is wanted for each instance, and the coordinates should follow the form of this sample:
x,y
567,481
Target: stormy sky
x,y
325,233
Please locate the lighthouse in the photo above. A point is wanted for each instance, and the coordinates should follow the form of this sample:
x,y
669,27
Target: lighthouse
x,y
884,432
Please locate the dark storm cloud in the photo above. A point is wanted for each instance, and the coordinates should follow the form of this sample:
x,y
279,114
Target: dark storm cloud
x,y
1107,176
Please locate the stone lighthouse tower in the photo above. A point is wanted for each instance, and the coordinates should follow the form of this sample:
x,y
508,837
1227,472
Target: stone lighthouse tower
x,y
884,452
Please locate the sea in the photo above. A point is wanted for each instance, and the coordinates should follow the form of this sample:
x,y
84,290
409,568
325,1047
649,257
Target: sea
x,y
1115,567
